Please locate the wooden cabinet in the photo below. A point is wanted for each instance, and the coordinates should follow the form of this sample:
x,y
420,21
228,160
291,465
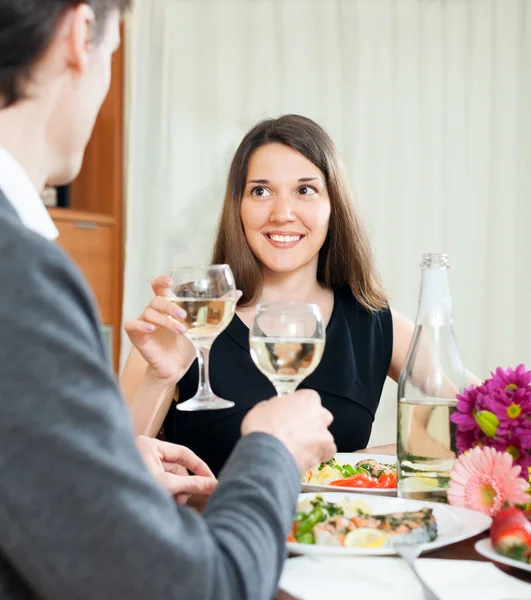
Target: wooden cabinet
x,y
91,229
88,240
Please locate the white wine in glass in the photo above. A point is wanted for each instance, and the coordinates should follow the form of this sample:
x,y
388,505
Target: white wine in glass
x,y
208,295
287,341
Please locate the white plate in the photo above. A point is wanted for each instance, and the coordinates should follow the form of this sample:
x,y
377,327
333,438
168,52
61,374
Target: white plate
x,y
454,524
352,459
484,547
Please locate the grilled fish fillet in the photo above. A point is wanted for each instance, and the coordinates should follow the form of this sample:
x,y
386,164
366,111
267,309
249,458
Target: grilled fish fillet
x,y
415,527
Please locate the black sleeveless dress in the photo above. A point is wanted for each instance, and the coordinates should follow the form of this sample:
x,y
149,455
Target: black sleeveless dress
x,y
349,379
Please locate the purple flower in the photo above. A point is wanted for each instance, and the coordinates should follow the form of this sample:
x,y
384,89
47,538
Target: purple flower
x,y
512,443
468,404
498,414
509,397
524,435
508,379
465,440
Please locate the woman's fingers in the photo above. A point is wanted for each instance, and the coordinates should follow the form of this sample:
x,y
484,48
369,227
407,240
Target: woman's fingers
x,y
151,320
236,294
136,326
160,284
162,320
165,306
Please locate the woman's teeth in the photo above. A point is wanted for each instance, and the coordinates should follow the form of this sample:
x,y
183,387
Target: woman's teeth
x,y
284,238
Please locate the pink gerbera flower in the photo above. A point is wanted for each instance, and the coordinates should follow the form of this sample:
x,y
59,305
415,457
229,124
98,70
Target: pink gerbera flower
x,y
485,480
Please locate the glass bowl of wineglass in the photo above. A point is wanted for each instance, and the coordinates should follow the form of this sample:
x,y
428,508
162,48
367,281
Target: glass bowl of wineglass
x,y
208,295
287,341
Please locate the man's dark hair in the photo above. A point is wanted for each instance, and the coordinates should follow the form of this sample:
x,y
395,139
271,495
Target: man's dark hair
x,y
27,28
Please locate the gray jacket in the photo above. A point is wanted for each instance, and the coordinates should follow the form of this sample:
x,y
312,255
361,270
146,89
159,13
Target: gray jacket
x,y
80,516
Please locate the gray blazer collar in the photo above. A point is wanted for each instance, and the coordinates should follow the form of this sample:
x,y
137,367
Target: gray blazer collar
x,y
7,209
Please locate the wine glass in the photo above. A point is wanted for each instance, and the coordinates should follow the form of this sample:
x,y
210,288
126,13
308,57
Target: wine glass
x,y
287,341
208,295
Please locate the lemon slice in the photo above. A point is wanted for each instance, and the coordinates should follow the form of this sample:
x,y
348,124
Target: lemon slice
x,y
365,537
419,484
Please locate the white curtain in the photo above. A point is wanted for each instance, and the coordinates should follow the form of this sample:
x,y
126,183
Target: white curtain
x,y
429,102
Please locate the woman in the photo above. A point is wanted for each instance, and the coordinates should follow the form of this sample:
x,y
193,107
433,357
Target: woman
x,y
289,231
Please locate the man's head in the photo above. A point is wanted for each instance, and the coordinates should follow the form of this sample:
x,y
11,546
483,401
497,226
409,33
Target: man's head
x,y
55,63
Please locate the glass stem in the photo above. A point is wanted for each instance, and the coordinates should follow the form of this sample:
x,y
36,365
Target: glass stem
x,y
283,388
203,388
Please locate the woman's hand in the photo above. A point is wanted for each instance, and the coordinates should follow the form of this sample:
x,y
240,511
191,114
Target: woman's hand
x,y
158,335
169,464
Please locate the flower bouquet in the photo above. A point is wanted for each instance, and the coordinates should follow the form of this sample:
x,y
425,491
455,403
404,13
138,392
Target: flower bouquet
x,y
493,470
493,437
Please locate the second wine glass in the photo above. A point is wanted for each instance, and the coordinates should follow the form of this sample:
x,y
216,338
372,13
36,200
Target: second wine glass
x,y
287,341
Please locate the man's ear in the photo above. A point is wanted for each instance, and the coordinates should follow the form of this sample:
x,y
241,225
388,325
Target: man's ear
x,y
77,33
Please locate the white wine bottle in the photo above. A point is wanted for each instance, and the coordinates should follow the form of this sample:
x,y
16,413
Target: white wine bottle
x,y
431,378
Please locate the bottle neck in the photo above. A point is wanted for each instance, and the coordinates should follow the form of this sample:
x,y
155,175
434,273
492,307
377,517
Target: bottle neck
x,y
435,302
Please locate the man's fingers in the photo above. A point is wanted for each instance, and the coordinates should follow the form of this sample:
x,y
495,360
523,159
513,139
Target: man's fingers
x,y
175,469
182,498
177,484
175,454
328,417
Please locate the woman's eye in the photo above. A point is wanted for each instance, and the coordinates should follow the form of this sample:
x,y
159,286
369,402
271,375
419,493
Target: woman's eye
x,y
260,192
307,190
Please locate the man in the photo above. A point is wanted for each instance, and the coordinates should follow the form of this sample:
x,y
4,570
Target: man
x,y
81,517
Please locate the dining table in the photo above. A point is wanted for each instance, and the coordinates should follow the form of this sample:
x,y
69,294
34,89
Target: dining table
x,y
463,550
460,551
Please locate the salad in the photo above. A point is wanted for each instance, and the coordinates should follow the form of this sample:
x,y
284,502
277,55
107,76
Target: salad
x,y
363,474
349,523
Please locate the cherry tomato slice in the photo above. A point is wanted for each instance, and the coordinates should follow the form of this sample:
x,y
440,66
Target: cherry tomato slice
x,y
362,480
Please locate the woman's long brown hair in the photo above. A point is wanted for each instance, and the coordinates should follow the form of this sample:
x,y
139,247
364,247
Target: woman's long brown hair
x,y
345,259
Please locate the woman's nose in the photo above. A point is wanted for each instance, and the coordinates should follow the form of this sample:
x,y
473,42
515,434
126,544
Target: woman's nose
x,y
282,210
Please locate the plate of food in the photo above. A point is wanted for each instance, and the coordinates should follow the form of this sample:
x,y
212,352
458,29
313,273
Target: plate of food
x,y
510,539
368,473
353,524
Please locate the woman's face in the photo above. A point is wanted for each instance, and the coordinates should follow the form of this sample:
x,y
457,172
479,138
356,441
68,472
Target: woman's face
x,y
285,208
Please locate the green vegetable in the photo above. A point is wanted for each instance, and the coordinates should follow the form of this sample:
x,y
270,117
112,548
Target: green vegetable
x,y
305,538
334,509
300,516
359,470
317,515
345,470
339,468
366,468
328,507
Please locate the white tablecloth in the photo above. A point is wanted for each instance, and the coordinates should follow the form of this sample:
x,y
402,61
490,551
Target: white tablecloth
x,y
382,578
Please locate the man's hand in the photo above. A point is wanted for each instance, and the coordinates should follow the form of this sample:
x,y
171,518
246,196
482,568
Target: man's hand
x,y
300,422
170,463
